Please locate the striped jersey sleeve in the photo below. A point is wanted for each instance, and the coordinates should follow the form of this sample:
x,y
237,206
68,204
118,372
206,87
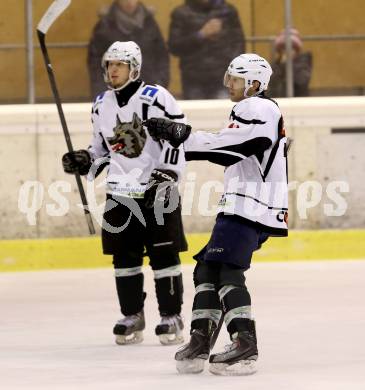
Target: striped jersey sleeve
x,y
248,133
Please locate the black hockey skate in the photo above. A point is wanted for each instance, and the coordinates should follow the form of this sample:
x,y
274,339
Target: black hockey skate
x,y
169,330
191,357
129,329
240,357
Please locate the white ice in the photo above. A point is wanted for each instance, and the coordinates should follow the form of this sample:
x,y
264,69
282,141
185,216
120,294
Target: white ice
x,y
56,331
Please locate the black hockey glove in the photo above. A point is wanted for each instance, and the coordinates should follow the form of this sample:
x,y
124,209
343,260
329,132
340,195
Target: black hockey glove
x,y
78,161
175,133
159,187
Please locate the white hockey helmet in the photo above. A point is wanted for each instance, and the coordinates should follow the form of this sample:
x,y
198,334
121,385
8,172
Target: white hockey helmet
x,y
126,52
249,67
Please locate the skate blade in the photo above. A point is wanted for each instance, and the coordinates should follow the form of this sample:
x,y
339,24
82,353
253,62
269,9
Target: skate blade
x,y
190,366
133,338
171,339
244,367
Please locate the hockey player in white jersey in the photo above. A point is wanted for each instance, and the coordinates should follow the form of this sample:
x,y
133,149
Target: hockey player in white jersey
x,y
137,165
254,207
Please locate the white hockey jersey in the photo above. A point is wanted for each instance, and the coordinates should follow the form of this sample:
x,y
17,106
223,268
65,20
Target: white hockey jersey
x,y
128,176
253,149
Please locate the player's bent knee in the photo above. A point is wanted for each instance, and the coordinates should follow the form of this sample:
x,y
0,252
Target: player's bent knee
x,y
127,259
163,261
206,273
230,275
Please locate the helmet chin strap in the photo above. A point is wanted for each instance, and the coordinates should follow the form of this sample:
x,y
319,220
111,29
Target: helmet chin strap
x,y
130,79
247,87
121,87
245,92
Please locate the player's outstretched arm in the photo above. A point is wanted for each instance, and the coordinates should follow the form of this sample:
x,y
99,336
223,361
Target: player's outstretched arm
x,y
173,132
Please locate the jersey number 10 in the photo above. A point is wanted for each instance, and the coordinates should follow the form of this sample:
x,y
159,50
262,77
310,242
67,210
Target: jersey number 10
x,y
172,156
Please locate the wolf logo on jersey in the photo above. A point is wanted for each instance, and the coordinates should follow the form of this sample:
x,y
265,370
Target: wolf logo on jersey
x,y
129,137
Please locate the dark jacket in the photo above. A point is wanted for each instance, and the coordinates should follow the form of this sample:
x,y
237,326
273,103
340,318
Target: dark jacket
x,y
302,71
155,58
202,58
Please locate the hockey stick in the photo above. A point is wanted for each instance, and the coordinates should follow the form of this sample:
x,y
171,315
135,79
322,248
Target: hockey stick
x,y
215,334
52,13
289,143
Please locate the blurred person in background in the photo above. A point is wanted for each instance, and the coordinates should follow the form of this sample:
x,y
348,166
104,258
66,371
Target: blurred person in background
x,y
205,34
128,20
302,66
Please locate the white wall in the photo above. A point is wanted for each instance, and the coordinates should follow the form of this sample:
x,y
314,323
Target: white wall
x,y
32,144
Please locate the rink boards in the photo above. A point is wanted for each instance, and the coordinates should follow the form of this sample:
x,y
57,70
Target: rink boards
x,y
67,253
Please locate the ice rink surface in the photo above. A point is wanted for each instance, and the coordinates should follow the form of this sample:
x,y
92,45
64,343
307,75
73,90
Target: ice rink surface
x,y
56,331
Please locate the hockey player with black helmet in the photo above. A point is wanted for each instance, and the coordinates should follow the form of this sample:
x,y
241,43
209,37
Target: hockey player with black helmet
x,y
138,167
254,206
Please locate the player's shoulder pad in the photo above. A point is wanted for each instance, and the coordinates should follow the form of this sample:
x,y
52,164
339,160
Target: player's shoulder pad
x,y
266,105
246,112
150,92
99,100
242,108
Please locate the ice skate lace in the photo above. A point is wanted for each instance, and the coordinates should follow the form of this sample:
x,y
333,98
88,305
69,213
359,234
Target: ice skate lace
x,y
235,343
230,347
171,321
130,320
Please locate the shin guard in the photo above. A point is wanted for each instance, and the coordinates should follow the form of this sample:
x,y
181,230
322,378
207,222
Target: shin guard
x,y
169,290
129,283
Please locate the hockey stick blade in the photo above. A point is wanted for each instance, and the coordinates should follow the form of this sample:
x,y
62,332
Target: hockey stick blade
x,y
52,13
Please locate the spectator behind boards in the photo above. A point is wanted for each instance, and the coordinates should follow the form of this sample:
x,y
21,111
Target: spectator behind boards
x,y
302,66
205,34
128,20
